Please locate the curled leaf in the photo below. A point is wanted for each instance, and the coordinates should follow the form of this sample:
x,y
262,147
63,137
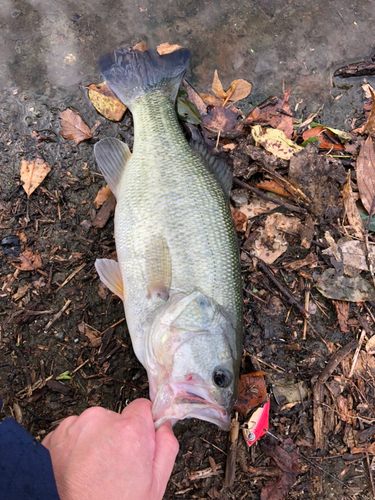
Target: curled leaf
x,y
239,89
105,102
73,127
33,173
102,196
28,261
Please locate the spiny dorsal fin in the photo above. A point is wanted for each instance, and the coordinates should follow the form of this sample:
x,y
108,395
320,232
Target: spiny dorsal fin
x,y
158,268
215,165
110,274
111,156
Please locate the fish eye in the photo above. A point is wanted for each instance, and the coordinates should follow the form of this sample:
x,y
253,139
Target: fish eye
x,y
222,377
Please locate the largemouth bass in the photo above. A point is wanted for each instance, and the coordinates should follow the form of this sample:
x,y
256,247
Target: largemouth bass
x,y
178,270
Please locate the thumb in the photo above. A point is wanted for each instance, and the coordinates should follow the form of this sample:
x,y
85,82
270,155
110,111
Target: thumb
x,y
166,449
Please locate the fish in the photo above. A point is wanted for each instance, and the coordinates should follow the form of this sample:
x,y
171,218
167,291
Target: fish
x,y
178,269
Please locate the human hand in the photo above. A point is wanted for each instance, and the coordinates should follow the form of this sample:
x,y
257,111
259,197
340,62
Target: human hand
x,y
102,454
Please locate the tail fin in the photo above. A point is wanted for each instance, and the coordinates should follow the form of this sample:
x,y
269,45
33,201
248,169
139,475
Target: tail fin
x,y
131,73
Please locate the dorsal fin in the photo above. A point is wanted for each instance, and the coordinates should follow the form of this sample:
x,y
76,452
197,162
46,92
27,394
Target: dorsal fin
x,y
215,165
111,156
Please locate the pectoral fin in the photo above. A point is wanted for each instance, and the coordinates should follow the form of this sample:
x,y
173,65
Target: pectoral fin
x,y
110,273
158,268
111,156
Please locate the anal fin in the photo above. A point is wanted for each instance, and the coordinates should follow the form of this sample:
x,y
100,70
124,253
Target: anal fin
x,y
110,274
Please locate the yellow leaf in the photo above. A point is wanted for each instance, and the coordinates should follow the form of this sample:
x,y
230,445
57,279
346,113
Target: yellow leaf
x,y
33,173
275,141
166,48
105,102
211,100
217,86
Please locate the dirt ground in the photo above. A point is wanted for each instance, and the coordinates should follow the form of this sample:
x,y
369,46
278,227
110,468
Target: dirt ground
x,y
85,357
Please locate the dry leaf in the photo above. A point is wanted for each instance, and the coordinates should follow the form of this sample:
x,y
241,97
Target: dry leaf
x,y
366,89
91,333
219,119
369,126
351,210
324,135
274,112
211,100
258,206
195,98
33,173
273,187
141,46
370,345
271,242
29,261
365,168
252,392
217,86
239,220
166,48
102,195
275,142
238,90
339,287
105,102
73,127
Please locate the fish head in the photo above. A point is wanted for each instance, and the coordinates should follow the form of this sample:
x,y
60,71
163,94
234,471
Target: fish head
x,y
192,362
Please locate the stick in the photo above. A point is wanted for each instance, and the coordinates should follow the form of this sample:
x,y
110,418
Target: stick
x,y
71,276
307,300
288,206
370,474
230,470
57,315
356,354
335,360
283,290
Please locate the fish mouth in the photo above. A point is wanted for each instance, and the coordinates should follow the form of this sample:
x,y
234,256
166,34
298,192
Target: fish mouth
x,y
180,401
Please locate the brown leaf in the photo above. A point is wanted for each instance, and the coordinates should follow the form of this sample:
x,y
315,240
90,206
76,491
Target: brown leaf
x,y
273,187
211,100
241,89
287,461
252,392
365,168
141,46
240,220
102,196
166,48
217,86
105,212
73,127
369,126
269,113
29,261
351,209
92,334
324,135
33,173
219,119
195,98
105,102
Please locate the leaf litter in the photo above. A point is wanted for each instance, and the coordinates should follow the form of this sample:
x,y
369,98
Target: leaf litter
x,y
332,378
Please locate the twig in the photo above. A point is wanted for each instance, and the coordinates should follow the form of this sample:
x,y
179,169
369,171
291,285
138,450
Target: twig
x,y
370,474
205,440
273,366
258,192
356,354
370,312
282,289
202,474
230,470
58,315
368,258
307,300
335,360
71,276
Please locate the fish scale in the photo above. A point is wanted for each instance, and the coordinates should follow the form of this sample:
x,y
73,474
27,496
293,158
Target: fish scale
x,y
167,190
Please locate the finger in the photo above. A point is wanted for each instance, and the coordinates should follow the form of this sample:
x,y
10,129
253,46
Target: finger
x,y
165,455
141,410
